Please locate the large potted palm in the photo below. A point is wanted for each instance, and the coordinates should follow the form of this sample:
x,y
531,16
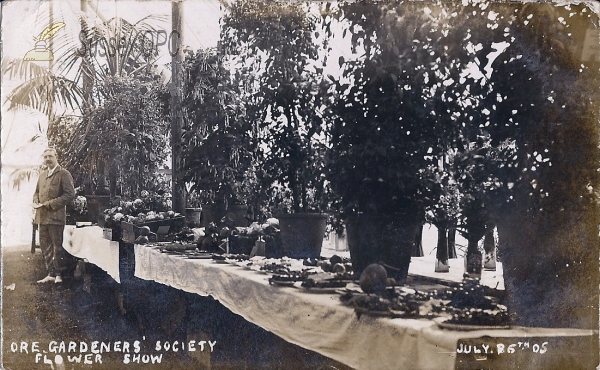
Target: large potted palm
x,y
87,77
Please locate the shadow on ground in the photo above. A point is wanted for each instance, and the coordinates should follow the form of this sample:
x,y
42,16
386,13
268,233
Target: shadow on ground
x,y
41,321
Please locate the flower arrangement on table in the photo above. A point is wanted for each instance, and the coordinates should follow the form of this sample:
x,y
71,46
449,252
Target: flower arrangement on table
x,y
150,206
77,210
80,205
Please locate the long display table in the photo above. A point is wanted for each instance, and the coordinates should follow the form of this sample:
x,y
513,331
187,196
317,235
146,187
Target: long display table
x,y
320,323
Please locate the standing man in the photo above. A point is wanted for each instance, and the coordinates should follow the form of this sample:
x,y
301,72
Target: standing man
x,y
53,192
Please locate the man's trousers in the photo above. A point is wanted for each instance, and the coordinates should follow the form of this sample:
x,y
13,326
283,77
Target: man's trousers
x,y
51,243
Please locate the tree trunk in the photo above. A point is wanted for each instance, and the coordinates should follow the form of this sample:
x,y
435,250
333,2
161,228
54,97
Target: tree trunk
x,y
177,187
112,180
474,260
452,242
472,245
441,260
442,244
489,246
418,249
488,242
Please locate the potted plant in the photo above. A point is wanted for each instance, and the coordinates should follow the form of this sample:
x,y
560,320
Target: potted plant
x,y
380,196
216,155
286,100
216,207
77,210
193,208
300,211
384,135
375,173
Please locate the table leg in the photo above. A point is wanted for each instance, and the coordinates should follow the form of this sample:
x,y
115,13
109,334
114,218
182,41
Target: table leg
x,y
33,233
120,302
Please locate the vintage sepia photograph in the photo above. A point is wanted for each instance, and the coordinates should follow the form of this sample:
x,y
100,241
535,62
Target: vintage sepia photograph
x,y
302,185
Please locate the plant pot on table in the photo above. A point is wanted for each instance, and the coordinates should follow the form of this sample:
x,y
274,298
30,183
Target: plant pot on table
x,y
193,216
384,239
302,234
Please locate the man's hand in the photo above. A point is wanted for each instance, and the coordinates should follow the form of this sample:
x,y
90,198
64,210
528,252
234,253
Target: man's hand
x,y
37,205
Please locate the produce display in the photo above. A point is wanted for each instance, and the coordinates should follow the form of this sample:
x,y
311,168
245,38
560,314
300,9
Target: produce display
x,y
373,279
332,282
289,276
470,305
269,227
213,239
335,264
135,212
311,274
257,263
467,304
138,221
373,293
392,302
182,251
241,239
226,257
178,246
278,267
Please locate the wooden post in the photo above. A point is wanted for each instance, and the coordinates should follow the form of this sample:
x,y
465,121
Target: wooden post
x,y
51,61
176,47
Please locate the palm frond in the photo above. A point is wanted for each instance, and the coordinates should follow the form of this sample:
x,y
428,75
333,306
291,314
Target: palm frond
x,y
20,69
37,137
20,175
45,91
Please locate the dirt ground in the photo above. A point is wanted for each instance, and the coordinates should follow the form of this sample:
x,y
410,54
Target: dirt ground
x,y
44,323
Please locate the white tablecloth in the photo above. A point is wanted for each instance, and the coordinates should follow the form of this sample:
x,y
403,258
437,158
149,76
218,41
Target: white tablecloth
x,y
318,321
87,243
